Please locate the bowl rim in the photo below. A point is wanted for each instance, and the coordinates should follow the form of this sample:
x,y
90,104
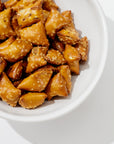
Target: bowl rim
x,y
82,98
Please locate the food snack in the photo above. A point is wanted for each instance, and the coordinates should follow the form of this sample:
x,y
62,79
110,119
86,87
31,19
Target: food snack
x,y
37,81
32,100
66,73
8,92
36,59
82,48
55,57
29,15
57,87
5,25
68,35
40,49
23,3
35,34
54,22
16,51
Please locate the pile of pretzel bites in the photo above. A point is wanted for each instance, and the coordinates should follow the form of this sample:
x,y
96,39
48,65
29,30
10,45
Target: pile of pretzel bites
x,y
39,50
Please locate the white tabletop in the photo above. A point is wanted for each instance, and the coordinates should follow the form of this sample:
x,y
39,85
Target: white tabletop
x,y
91,123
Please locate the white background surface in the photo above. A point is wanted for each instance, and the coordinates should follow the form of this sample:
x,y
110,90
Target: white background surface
x,y
91,123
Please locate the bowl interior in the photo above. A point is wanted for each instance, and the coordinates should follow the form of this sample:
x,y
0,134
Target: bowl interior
x,y
88,20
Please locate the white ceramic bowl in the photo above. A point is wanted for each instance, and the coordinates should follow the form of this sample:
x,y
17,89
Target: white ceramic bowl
x,y
89,19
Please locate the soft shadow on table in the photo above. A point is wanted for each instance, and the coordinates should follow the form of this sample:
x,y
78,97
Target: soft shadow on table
x,y
80,125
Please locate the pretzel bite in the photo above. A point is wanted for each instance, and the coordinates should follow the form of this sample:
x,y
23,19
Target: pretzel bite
x,y
3,64
36,59
37,81
72,57
8,92
10,3
16,51
49,4
57,87
69,18
5,25
65,72
55,57
68,35
57,45
6,43
23,3
29,15
32,100
15,71
35,34
54,23
82,48
71,53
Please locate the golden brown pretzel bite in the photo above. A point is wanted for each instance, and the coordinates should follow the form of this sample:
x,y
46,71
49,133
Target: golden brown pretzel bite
x,y
82,47
16,51
54,23
65,72
57,87
29,15
8,92
55,57
32,100
35,34
5,25
36,59
68,35
23,3
37,81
